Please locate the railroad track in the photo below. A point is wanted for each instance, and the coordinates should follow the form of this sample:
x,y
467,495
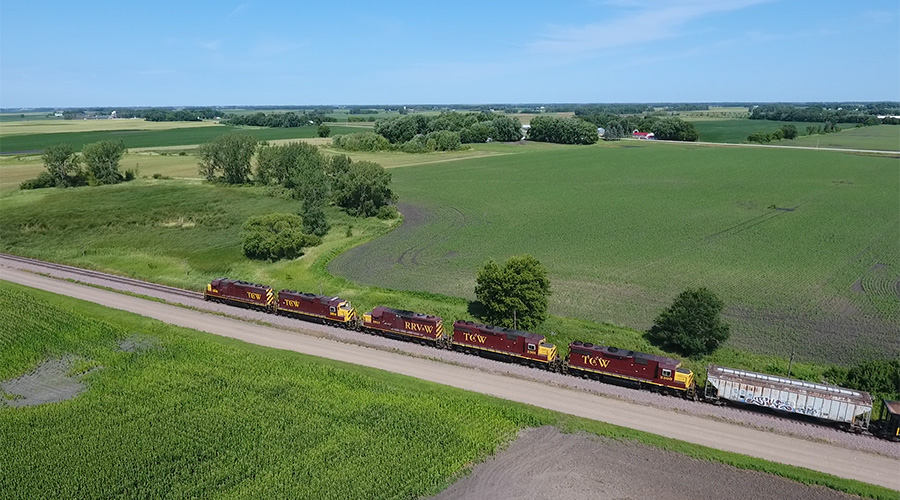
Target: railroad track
x,y
104,276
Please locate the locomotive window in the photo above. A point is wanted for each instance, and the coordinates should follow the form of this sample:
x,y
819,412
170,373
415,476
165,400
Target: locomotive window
x,y
331,309
531,347
666,373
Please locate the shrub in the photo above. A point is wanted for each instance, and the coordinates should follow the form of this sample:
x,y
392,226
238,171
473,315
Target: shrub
x,y
361,141
387,212
275,236
43,180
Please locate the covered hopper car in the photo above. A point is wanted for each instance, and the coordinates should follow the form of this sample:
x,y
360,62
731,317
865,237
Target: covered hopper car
x,y
846,408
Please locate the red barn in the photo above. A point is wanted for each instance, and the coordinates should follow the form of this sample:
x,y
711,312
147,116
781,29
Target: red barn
x,y
505,343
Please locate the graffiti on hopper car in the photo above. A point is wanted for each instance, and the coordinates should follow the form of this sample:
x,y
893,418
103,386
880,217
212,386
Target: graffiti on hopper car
x,y
780,405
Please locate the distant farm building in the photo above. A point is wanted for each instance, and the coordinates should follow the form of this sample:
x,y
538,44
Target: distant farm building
x,y
642,135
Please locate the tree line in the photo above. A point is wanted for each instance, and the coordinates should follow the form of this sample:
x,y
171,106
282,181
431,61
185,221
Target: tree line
x,y
149,114
865,114
98,164
471,127
279,120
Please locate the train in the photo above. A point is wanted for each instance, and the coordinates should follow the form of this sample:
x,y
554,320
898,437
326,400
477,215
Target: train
x,y
846,409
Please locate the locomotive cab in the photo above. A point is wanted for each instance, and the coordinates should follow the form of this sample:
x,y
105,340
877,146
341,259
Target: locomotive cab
x,y
345,311
684,376
548,350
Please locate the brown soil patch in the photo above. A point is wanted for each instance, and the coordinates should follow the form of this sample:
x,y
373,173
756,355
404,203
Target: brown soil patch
x,y
545,463
50,382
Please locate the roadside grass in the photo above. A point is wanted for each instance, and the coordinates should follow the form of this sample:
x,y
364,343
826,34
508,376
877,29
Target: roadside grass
x,y
878,138
199,414
781,236
140,137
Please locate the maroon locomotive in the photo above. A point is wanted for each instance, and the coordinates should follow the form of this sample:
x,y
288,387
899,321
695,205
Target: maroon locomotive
x,y
333,310
636,368
407,324
240,293
525,347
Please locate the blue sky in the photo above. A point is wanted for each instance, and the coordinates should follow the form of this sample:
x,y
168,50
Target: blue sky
x,y
67,54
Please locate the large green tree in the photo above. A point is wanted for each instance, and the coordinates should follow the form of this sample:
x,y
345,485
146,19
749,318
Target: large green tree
x,y
102,160
62,164
228,158
692,325
363,188
514,294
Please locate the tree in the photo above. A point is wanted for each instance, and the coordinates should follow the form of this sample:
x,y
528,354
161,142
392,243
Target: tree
x,y
102,160
363,189
614,132
516,292
229,155
62,164
691,325
275,236
789,131
323,131
314,220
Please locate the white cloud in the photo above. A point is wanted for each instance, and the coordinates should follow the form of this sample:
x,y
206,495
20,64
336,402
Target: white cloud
x,y
643,22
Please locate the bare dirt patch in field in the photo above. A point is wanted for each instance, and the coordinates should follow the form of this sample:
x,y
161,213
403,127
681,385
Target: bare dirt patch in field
x,y
545,463
50,382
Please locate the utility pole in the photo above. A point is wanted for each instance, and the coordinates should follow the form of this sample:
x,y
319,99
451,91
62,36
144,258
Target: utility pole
x,y
791,362
514,319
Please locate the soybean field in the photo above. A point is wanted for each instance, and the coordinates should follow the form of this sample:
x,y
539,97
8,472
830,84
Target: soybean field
x,y
802,245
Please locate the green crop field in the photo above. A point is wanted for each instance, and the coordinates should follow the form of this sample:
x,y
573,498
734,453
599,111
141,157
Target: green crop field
x,y
193,415
168,411
735,131
879,138
143,138
802,245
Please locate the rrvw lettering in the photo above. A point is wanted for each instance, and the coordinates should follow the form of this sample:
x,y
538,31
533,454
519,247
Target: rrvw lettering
x,y
254,296
291,303
415,327
472,337
594,361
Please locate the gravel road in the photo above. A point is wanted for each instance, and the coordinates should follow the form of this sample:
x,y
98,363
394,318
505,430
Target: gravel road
x,y
505,381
